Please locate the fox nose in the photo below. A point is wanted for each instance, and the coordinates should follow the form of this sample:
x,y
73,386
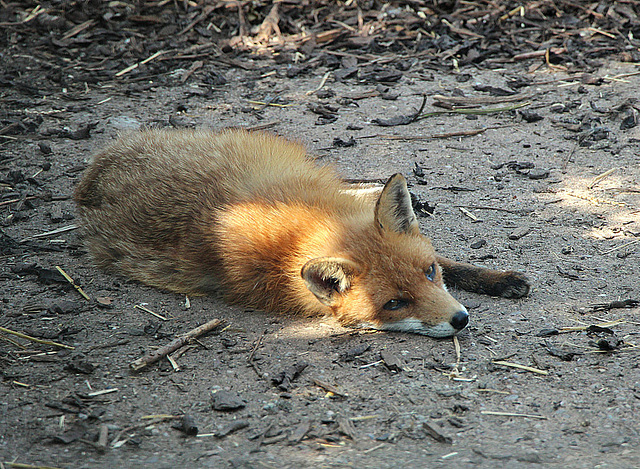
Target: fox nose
x,y
459,320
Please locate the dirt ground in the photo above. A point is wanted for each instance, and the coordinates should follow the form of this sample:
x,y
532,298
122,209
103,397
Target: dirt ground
x,y
550,187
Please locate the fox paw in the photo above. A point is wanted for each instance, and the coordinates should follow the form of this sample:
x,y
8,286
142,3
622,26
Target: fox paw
x,y
513,285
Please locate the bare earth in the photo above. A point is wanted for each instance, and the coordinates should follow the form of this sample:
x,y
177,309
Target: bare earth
x,y
399,400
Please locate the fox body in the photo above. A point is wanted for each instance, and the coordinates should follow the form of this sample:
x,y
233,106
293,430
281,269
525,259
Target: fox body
x,y
251,216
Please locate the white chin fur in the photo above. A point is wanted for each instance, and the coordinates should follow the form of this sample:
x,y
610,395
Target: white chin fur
x,y
444,329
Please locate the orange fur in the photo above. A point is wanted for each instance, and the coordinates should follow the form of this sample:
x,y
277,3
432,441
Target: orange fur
x,y
251,216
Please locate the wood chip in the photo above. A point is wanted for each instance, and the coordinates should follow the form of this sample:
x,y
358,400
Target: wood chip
x,y
436,433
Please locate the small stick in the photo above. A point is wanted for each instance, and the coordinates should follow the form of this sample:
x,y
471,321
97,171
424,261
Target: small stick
x,y
115,443
521,367
538,53
371,364
600,31
102,392
474,112
584,328
567,160
469,214
174,345
600,177
255,347
635,241
64,229
498,209
103,436
455,372
35,12
596,200
493,390
147,310
462,133
78,29
512,414
329,388
266,125
252,354
26,466
321,85
475,101
137,64
371,450
13,201
173,362
33,339
262,103
73,284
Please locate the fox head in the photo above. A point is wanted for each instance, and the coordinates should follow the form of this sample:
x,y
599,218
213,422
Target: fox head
x,y
385,274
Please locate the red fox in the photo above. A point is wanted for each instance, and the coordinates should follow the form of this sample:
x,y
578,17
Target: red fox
x,y
251,216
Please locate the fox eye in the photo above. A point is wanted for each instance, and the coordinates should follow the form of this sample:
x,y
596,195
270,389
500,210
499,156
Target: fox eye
x,y
392,305
431,272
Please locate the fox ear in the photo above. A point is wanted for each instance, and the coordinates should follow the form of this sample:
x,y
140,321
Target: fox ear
x,y
393,210
328,277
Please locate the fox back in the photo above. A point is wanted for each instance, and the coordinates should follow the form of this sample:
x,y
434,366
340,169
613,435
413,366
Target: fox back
x,y
251,216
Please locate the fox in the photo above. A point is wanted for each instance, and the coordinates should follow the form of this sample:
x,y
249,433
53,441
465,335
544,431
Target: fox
x,y
253,218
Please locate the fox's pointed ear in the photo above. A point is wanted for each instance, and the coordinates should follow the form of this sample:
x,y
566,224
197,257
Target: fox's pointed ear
x,y
393,209
329,277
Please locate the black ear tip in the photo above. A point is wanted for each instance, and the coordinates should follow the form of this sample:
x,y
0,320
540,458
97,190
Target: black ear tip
x,y
397,176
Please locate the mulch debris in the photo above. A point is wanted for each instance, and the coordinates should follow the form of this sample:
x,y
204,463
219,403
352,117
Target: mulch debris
x,y
375,41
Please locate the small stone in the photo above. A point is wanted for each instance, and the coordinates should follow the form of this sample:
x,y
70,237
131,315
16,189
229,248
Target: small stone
x,y
519,232
538,174
478,244
227,401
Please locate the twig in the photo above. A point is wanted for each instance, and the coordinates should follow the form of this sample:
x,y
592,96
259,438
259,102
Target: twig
x,y
512,414
482,207
474,112
174,345
137,64
73,284
600,177
26,466
584,328
454,373
13,201
596,200
264,104
371,450
35,12
266,125
461,133
153,313
102,392
328,387
480,100
521,367
103,436
33,339
436,434
539,53
567,160
321,85
160,419
253,352
469,214
456,346
635,241
78,29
